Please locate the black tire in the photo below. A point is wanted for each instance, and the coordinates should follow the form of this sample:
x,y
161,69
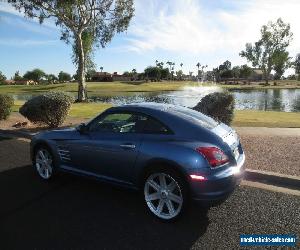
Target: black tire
x,y
48,154
182,185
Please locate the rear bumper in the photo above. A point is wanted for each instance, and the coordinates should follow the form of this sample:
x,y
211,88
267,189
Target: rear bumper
x,y
218,187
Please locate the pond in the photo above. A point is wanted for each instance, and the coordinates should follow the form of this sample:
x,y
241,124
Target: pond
x,y
287,100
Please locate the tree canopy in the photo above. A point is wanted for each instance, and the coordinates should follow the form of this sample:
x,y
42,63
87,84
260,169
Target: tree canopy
x,y
64,77
2,77
297,65
83,23
35,75
270,49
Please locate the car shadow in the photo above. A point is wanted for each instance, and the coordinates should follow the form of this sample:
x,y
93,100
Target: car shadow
x,y
79,213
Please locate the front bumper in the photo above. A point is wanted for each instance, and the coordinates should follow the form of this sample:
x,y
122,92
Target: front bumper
x,y
220,185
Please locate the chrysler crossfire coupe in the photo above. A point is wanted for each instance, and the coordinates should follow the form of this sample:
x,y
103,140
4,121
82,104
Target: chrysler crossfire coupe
x,y
171,154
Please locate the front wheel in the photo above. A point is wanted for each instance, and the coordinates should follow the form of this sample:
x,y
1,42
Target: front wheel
x,y
165,194
43,163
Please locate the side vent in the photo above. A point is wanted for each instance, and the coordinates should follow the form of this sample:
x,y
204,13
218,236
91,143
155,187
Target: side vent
x,y
64,154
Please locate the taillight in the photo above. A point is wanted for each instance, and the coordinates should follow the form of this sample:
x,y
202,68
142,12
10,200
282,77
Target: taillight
x,y
215,156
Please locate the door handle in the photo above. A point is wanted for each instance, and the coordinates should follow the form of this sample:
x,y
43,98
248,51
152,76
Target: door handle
x,y
127,146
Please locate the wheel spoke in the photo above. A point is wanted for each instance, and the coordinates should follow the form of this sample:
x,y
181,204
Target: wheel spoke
x,y
162,181
39,161
151,197
153,184
46,173
172,186
42,170
41,155
160,206
175,198
170,207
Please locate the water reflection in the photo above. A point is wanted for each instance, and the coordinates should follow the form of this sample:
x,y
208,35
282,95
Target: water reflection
x,y
268,99
287,100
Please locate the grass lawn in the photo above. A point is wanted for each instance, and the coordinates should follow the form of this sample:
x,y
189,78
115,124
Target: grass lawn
x,y
272,119
96,88
114,88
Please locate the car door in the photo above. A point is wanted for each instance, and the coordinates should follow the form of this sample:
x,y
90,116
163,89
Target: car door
x,y
113,145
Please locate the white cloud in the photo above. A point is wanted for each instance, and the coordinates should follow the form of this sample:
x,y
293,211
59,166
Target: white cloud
x,y
181,26
30,24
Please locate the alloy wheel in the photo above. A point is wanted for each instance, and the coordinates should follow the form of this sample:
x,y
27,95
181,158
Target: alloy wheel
x,y
163,195
43,163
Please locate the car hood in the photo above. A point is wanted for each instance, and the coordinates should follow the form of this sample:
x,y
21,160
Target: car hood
x,y
59,134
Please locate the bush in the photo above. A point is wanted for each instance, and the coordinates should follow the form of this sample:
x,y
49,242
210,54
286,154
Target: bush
x,y
51,108
219,106
6,103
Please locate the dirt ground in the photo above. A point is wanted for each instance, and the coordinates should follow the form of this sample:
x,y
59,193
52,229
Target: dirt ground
x,y
15,118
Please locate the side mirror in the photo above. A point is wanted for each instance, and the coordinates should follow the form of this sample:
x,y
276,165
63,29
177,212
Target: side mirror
x,y
82,128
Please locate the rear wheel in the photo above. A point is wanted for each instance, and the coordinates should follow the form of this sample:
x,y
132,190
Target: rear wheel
x,y
165,194
43,163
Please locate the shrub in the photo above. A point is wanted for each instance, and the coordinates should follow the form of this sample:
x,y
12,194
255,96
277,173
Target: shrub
x,y
51,108
6,103
219,106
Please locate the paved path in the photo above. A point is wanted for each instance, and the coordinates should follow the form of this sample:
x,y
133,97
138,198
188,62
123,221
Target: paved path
x,y
77,213
263,131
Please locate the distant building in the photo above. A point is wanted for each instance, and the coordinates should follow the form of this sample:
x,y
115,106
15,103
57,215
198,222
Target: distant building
x,y
258,75
20,82
102,77
117,77
107,77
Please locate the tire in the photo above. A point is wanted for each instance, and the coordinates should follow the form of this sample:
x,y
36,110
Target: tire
x,y
43,162
165,194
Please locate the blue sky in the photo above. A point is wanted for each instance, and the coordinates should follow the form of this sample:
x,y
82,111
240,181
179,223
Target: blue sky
x,y
187,31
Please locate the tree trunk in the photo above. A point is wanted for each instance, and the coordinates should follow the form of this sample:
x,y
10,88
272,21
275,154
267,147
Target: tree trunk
x,y
266,75
82,93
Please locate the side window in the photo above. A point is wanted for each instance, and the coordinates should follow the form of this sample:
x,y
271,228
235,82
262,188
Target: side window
x,y
155,127
119,123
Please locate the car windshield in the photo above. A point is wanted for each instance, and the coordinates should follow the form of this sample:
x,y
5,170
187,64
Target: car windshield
x,y
195,117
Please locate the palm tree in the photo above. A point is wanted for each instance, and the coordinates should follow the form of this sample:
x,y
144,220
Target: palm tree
x,y
101,68
181,64
198,66
134,73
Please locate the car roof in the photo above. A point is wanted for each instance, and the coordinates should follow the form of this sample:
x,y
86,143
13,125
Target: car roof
x,y
176,111
150,106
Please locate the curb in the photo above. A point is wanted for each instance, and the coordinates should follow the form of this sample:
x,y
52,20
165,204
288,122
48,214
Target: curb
x,y
270,188
274,179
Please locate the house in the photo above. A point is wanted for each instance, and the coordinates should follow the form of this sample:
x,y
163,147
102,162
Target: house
x,y
107,77
102,77
118,77
20,82
258,75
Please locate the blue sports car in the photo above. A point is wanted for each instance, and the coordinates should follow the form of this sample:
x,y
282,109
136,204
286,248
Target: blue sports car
x,y
172,154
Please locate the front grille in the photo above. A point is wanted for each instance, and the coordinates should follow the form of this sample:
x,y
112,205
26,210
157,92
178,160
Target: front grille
x,y
64,154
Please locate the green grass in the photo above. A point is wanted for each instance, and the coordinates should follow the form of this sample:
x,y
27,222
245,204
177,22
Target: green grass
x,y
271,119
88,110
116,88
96,88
